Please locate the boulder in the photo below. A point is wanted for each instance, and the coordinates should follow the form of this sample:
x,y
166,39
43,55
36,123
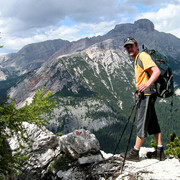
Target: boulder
x,y
44,148
80,143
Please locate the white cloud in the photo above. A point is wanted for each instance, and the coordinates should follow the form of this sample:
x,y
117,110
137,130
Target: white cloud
x,y
95,29
23,22
165,19
23,15
28,21
70,33
15,43
33,13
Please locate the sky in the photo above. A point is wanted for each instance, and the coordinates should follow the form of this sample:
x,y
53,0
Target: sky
x,y
28,21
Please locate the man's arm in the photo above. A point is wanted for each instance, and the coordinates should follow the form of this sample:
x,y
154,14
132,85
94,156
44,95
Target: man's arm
x,y
152,79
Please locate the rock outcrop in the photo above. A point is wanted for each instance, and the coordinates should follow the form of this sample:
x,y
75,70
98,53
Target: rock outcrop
x,y
80,143
77,156
144,25
50,155
44,149
2,76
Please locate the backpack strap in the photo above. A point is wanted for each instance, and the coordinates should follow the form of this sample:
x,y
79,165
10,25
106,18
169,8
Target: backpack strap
x,y
152,88
141,65
139,62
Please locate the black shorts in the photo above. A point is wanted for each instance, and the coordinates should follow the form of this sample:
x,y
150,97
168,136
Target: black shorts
x,y
147,120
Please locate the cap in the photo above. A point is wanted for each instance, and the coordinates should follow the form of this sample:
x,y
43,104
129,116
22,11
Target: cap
x,y
129,40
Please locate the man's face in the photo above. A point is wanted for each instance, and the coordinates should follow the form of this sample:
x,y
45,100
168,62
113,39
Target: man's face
x,y
132,49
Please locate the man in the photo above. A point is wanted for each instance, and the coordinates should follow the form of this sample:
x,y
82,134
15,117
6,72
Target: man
x,y
146,118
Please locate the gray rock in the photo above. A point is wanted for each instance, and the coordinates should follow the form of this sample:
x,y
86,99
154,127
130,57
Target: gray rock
x,y
45,147
144,24
73,174
90,159
80,158
79,143
2,76
48,154
64,174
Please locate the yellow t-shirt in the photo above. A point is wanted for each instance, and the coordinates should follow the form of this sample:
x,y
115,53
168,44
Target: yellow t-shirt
x,y
140,74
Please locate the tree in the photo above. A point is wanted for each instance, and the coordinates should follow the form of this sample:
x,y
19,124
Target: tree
x,y
173,146
11,124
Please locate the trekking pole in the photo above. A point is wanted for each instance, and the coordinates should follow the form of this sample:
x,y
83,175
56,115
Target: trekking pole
x,y
124,129
137,103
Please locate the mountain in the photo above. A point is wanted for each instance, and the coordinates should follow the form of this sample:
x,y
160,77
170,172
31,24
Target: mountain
x,y
93,80
88,87
14,66
31,56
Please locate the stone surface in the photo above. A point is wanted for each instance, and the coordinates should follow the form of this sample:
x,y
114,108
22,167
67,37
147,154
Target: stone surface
x,y
2,76
90,159
45,147
77,156
79,143
73,174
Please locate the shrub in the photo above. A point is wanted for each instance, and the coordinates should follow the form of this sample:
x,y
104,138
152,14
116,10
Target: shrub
x,y
173,146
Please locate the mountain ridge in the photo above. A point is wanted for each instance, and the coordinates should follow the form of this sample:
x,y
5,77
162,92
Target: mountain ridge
x,y
141,29
32,55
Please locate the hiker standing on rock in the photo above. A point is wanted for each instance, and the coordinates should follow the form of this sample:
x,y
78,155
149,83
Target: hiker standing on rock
x,y
147,122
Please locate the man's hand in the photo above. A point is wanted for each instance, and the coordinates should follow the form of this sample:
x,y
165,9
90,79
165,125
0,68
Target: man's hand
x,y
152,79
142,87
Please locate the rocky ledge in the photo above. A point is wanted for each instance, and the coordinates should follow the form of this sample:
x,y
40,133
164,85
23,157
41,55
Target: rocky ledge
x,y
77,156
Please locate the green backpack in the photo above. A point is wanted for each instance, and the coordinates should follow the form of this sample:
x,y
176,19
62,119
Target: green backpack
x,y
164,85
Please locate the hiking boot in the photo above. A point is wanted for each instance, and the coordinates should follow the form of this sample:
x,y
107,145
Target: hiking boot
x,y
131,155
157,154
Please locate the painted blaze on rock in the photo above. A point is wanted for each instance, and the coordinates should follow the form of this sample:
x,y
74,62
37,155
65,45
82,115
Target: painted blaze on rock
x,y
80,143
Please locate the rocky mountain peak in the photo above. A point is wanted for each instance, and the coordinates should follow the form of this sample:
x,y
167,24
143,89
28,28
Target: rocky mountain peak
x,y
144,24
130,28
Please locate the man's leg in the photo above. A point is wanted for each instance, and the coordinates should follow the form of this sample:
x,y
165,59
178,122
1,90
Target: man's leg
x,y
139,142
133,154
159,151
158,139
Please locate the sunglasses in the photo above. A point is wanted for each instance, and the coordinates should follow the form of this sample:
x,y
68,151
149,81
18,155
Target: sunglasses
x,y
128,39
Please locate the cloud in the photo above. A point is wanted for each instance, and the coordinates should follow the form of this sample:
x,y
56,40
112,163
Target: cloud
x,y
28,21
23,22
152,2
30,14
143,2
70,33
165,19
33,13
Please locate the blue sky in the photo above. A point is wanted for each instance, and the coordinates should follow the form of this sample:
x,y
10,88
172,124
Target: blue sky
x,y
28,21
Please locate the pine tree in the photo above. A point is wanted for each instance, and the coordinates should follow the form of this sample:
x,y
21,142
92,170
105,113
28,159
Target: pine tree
x,y
11,124
173,146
